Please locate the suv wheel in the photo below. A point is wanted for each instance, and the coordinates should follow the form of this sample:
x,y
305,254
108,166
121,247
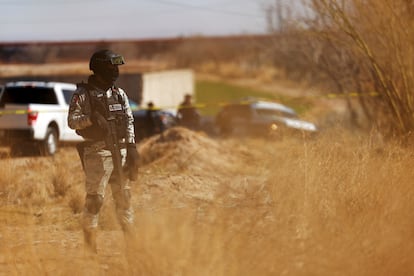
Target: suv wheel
x,y
49,145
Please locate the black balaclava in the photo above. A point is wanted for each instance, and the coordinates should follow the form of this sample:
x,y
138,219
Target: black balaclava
x,y
104,64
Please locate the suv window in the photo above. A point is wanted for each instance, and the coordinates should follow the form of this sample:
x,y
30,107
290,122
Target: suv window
x,y
27,95
67,94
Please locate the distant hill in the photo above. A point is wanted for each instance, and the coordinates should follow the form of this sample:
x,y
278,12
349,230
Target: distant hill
x,y
225,56
44,52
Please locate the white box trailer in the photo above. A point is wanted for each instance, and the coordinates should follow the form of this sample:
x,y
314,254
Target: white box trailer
x,y
166,89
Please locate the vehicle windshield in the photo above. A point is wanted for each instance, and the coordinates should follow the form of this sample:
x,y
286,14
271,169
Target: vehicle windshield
x,y
274,113
26,95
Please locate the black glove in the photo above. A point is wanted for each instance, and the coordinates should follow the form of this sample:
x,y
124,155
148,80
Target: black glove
x,y
132,160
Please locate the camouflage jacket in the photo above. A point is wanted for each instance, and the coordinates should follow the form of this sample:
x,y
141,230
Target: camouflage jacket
x,y
80,108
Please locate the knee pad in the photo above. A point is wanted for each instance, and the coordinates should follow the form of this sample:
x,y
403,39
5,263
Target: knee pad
x,y
93,203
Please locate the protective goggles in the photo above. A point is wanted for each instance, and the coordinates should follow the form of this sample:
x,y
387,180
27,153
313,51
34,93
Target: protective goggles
x,y
114,60
117,60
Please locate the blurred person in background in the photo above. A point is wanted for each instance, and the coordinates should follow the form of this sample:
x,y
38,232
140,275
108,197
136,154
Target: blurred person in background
x,y
98,108
187,114
152,122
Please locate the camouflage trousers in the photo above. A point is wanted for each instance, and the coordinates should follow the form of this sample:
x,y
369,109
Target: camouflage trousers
x,y
99,172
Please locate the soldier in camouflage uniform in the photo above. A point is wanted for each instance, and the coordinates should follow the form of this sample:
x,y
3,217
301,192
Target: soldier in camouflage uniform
x,y
88,113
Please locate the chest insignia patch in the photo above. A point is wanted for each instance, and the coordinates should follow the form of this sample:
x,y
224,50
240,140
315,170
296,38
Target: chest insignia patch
x,y
115,107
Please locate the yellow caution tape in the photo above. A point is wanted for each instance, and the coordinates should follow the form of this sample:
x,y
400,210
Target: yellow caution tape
x,y
346,95
26,111
199,105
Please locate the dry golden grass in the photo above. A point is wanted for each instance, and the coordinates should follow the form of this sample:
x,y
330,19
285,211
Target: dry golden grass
x,y
73,68
263,74
339,204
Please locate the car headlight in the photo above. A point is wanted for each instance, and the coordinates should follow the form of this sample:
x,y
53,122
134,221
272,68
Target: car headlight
x,y
273,127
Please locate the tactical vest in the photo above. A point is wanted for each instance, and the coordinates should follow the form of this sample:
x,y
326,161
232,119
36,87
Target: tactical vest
x,y
112,109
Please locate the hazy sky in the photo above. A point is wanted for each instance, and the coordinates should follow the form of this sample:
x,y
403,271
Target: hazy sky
x,y
39,20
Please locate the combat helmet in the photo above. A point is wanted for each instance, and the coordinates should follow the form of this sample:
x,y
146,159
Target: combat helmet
x,y
104,63
102,57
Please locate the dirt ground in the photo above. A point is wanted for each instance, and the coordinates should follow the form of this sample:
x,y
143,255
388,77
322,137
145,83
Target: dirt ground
x,y
335,204
182,172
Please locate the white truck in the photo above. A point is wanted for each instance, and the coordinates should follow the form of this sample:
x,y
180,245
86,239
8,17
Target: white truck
x,y
33,115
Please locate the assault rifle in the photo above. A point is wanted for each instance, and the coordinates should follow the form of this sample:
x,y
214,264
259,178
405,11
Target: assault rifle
x,y
112,127
111,123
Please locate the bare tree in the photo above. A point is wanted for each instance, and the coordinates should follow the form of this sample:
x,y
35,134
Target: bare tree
x,y
364,46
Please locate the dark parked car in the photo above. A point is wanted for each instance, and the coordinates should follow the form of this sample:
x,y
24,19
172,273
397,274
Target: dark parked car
x,y
145,127
254,117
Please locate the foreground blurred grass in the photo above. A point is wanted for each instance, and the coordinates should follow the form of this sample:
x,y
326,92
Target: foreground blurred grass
x,y
340,204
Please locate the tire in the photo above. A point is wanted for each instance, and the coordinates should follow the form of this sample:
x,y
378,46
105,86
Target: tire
x,y
49,145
